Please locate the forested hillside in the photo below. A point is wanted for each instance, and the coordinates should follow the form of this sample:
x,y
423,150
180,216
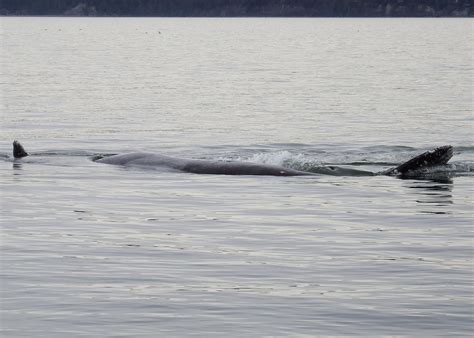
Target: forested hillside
x,y
223,8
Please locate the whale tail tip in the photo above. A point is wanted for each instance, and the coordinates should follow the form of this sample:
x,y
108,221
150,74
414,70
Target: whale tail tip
x,y
18,150
438,156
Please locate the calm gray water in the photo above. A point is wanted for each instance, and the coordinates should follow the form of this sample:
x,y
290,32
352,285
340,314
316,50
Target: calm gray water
x,y
91,249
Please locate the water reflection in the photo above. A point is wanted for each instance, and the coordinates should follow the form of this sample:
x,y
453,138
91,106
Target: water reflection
x,y
432,196
16,167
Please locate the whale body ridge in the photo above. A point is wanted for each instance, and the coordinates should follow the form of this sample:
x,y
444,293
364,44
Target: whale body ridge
x,y
438,156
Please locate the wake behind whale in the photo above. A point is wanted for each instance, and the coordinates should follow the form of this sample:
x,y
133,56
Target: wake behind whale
x,y
436,157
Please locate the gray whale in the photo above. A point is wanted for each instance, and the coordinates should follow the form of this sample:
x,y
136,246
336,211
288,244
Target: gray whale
x,y
438,156
221,167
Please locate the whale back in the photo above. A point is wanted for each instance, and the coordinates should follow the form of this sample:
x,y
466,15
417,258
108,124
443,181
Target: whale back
x,y
144,160
199,166
238,168
438,156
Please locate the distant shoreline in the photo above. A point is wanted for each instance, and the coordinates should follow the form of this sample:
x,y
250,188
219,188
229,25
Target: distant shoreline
x,y
240,8
228,17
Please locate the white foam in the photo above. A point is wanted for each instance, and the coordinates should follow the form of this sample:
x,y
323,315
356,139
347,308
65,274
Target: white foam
x,y
277,158
284,158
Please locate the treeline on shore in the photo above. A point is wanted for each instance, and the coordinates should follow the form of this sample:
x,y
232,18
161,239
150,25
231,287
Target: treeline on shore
x,y
236,8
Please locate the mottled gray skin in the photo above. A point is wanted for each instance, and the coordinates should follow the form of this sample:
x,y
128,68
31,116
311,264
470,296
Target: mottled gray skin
x,y
438,156
222,167
200,166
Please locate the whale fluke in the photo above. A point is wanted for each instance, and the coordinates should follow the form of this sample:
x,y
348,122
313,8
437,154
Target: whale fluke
x,y
18,150
438,156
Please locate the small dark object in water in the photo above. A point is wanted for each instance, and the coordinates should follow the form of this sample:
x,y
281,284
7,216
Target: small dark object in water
x,y
18,150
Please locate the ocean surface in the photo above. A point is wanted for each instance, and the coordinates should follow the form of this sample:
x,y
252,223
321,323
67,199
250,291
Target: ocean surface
x,y
96,250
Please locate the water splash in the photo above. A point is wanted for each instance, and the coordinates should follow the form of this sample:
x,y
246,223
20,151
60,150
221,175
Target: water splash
x,y
374,162
286,159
